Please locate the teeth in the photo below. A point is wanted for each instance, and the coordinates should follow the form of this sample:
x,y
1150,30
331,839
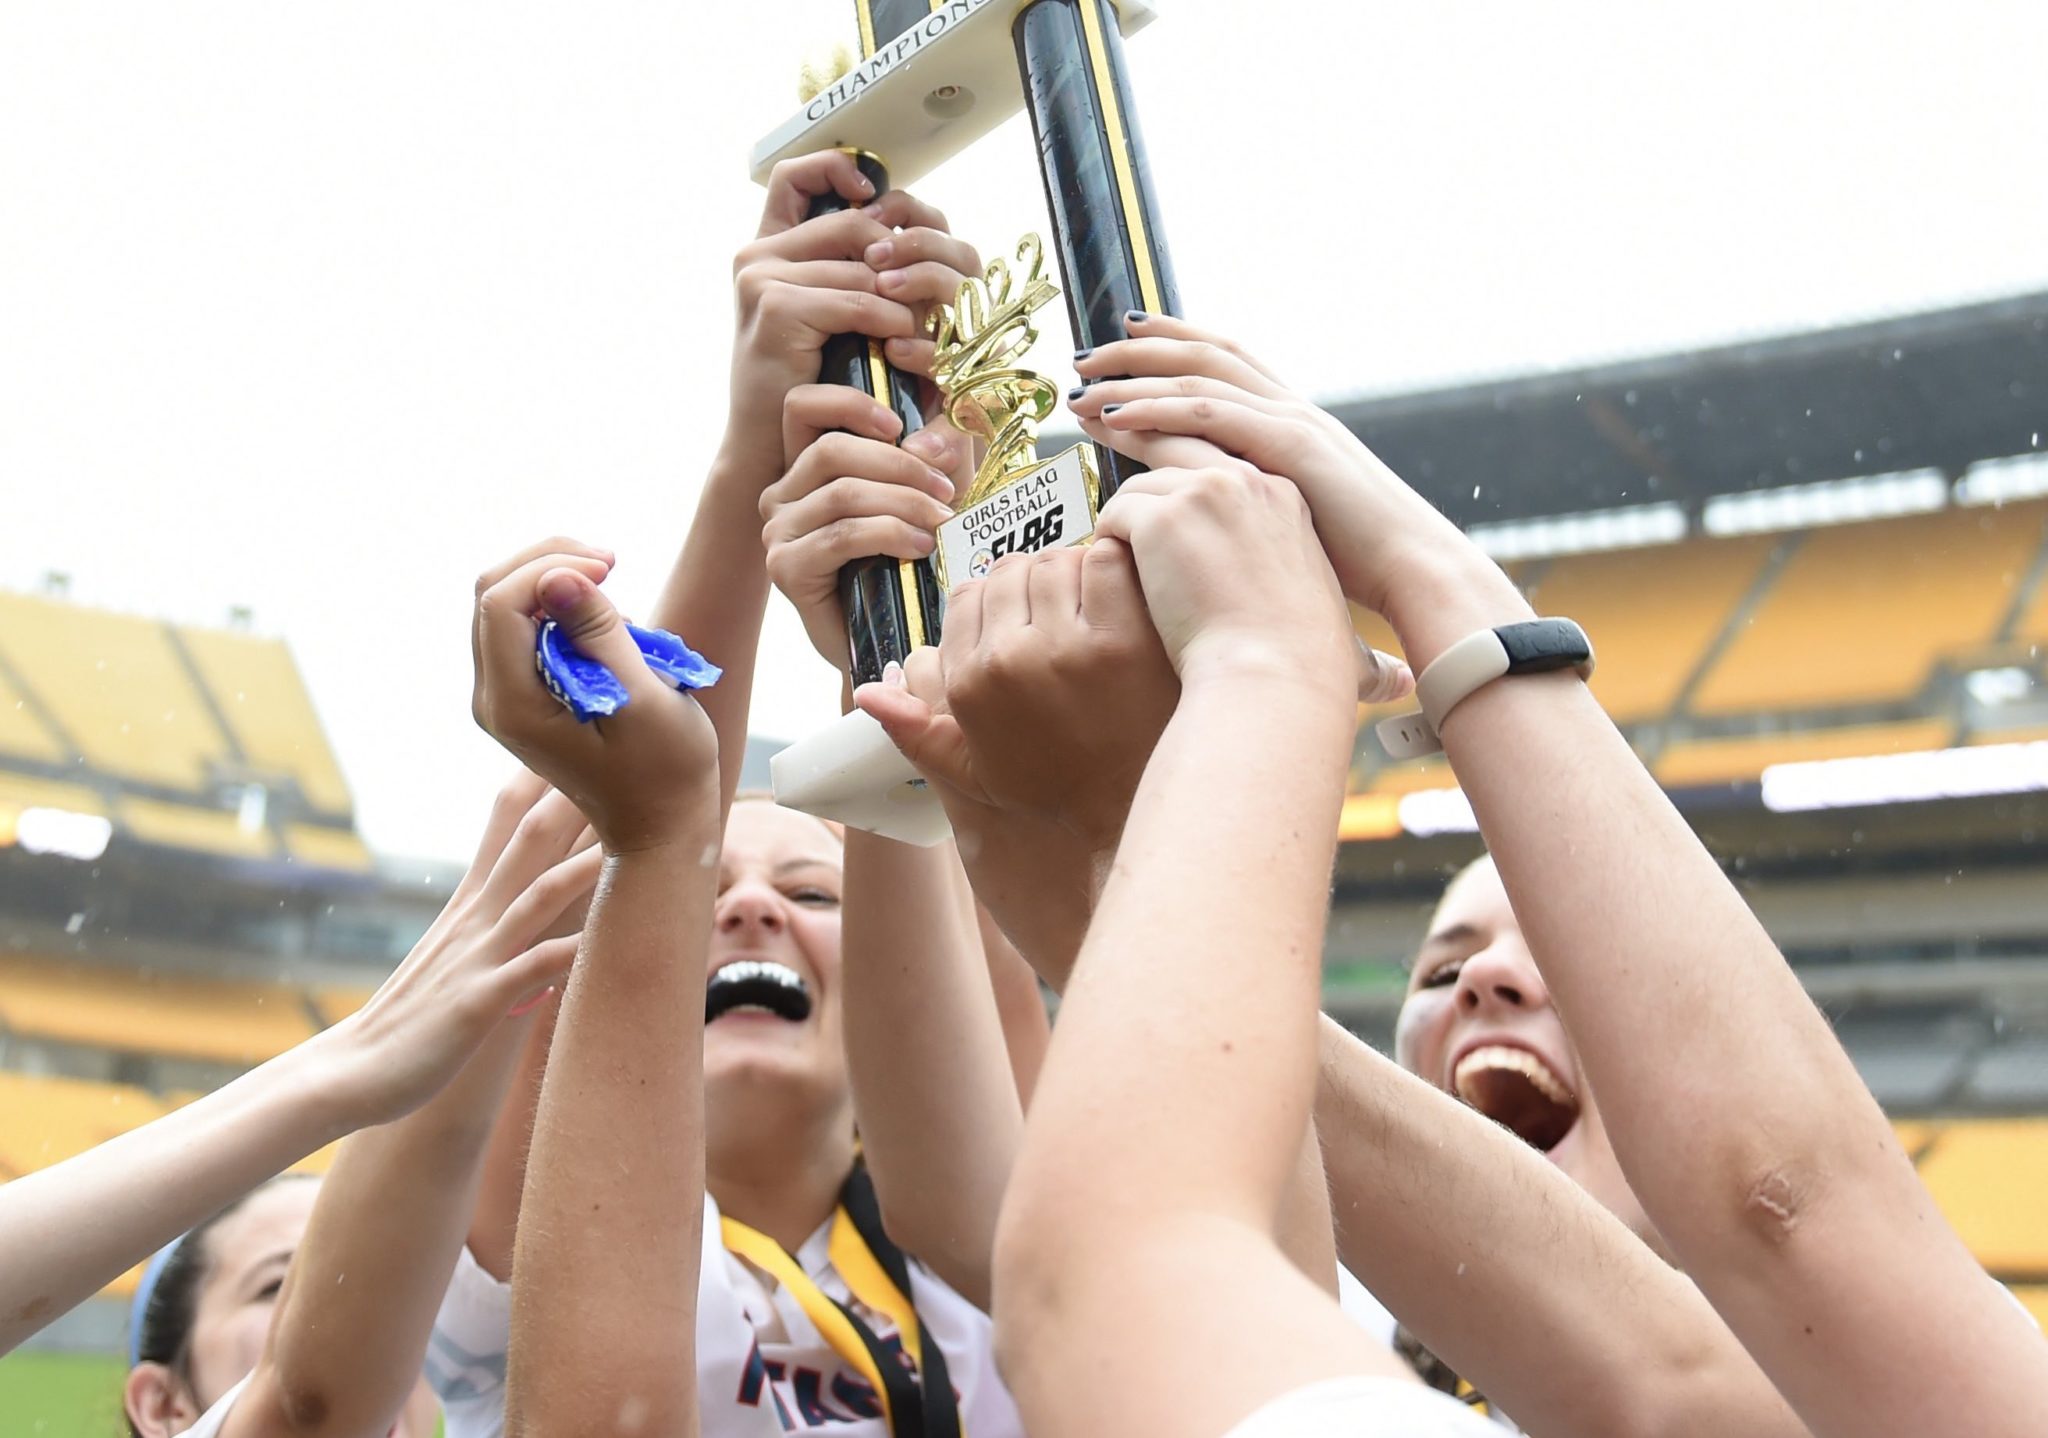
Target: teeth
x,y
1521,1061
758,969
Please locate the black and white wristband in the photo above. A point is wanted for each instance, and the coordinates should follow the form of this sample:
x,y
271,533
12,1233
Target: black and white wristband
x,y
1535,646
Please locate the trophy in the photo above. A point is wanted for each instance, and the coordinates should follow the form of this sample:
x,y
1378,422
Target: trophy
x,y
934,76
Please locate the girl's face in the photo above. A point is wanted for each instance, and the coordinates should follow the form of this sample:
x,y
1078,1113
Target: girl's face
x,y
772,993
247,1254
1478,1023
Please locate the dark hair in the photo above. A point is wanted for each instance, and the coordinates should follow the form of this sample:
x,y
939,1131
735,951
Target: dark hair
x,y
163,1325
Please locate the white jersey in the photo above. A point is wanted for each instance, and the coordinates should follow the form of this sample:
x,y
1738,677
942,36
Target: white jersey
x,y
762,1367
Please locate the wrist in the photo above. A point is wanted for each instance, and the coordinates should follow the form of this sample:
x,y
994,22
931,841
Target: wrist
x,y
1298,663
683,827
324,1078
1446,594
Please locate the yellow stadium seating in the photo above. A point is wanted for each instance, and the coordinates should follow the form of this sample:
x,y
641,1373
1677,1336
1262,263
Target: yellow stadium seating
x,y
25,791
259,689
1651,613
1989,1178
1862,612
116,686
326,848
22,734
186,826
47,1120
1724,761
223,1022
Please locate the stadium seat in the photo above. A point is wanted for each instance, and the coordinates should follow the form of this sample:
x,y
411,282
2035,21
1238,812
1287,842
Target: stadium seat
x,y
1863,612
1989,1177
217,1021
1651,613
26,791
22,734
117,687
47,1120
258,689
188,826
323,847
1745,757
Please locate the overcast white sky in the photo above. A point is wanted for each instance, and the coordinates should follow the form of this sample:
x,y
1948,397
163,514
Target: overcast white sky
x,y
320,307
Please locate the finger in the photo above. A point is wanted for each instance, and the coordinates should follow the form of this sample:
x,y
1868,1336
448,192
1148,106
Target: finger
x,y
1006,598
521,792
793,184
1054,583
901,209
1134,509
942,446
503,630
806,274
544,896
931,741
826,551
596,630
523,980
838,456
924,675
1149,326
1110,592
1381,677
910,246
1159,450
1121,391
925,283
1135,357
963,626
543,838
811,410
526,1006
912,356
835,312
556,545
850,498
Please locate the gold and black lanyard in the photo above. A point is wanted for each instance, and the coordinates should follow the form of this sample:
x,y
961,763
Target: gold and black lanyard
x,y
917,1401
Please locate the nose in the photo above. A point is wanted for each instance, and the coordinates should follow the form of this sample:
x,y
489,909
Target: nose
x,y
1500,976
750,906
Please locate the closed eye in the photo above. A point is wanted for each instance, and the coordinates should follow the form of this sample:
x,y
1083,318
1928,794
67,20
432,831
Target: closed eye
x,y
1443,975
816,898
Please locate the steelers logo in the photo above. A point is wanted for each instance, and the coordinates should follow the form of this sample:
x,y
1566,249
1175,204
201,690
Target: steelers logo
x,y
979,566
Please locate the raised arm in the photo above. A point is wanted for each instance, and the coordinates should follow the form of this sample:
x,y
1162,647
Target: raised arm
x,y
69,1230
1141,1223
798,283
350,1335
605,1277
1739,1121
1517,1277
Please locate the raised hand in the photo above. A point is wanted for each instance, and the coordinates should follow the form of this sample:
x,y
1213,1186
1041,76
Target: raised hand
x,y
874,270
485,955
638,775
849,493
1234,576
1176,395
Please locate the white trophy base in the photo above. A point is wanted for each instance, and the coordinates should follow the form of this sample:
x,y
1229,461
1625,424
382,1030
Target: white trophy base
x,y
951,78
851,773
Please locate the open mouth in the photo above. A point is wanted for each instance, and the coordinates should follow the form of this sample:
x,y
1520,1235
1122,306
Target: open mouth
x,y
1519,1091
759,986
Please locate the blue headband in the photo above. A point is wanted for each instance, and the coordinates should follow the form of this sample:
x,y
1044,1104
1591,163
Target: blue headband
x,y
139,1308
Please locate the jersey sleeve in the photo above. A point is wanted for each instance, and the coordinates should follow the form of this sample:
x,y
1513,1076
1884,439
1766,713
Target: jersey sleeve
x,y
466,1355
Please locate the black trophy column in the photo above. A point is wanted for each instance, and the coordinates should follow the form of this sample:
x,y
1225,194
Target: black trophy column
x,y
1097,185
892,606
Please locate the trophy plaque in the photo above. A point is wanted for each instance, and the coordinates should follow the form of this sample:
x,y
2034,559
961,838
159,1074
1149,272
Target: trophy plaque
x,y
932,77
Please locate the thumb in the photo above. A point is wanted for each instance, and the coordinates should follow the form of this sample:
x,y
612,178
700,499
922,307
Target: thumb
x,y
593,626
1381,677
931,741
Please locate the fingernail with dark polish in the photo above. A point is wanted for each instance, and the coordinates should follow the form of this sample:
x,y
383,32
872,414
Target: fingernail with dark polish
x,y
1109,409
1077,391
1080,355
1135,317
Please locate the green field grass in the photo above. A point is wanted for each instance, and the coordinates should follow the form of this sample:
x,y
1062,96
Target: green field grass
x,y
61,1395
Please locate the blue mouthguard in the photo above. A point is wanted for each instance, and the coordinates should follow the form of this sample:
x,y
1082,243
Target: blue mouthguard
x,y
587,689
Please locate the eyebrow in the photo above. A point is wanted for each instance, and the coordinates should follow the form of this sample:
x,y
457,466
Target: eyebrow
x,y
791,865
1455,934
